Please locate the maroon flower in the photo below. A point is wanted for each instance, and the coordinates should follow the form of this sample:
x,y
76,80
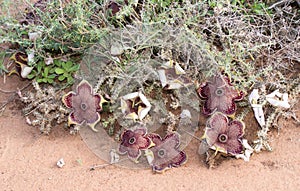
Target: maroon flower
x,y
133,141
114,7
220,96
85,105
165,154
223,135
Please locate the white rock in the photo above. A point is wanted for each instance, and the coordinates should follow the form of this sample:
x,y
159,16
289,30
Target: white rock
x,y
60,163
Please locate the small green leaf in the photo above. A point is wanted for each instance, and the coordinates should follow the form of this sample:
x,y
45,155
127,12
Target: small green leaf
x,y
51,70
39,67
74,68
63,64
30,76
57,63
46,71
52,76
39,80
70,80
59,70
61,78
50,81
69,64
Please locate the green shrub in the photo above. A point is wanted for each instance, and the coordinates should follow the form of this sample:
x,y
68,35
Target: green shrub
x,y
59,70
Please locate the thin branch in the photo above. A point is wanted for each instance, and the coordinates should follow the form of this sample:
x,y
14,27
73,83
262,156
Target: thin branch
x,y
279,3
106,164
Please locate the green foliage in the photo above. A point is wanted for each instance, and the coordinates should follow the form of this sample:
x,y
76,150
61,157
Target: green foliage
x,y
71,28
68,28
59,70
258,8
46,73
162,4
65,70
207,35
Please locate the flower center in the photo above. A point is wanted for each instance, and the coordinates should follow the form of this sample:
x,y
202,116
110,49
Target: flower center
x,y
132,140
83,106
223,138
219,92
161,153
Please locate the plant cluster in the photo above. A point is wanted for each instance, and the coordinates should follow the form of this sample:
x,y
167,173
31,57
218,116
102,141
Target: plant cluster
x,y
43,107
222,132
58,70
45,71
162,147
146,58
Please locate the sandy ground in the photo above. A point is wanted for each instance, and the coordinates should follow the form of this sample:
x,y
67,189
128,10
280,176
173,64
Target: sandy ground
x,y
28,162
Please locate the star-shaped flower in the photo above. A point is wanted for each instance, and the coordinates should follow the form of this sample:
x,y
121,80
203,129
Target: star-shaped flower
x,y
135,106
165,154
224,136
220,96
133,141
85,105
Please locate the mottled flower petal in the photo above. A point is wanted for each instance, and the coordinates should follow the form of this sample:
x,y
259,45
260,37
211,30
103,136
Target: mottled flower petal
x,y
67,99
224,136
220,96
74,120
216,124
180,159
218,121
85,105
165,154
234,146
203,91
235,128
133,141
